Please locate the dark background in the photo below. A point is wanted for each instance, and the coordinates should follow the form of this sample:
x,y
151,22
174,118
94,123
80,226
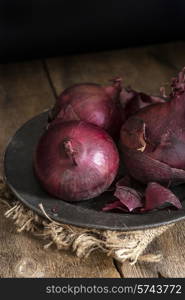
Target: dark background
x,y
41,28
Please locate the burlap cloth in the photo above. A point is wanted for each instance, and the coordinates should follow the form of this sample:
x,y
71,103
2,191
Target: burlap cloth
x,y
125,245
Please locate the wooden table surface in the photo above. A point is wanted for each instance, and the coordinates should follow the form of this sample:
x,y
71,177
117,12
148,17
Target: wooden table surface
x,y
28,88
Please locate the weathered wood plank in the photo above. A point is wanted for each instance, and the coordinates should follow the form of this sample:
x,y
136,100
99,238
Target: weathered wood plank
x,y
144,68
139,270
171,245
25,92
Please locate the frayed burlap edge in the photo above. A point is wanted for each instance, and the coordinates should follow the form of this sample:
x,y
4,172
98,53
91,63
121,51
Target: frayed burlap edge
x,y
125,245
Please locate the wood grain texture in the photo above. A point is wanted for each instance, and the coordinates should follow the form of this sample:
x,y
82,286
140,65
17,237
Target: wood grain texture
x,y
171,245
145,69
24,92
139,270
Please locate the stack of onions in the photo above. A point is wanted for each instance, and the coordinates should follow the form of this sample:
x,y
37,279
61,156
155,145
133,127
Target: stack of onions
x,y
152,141
77,159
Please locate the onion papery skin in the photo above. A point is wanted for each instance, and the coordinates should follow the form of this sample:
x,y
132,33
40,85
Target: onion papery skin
x,y
132,101
156,196
153,139
91,103
76,160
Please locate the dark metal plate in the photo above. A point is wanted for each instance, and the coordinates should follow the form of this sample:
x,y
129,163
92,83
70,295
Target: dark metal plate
x,y
20,177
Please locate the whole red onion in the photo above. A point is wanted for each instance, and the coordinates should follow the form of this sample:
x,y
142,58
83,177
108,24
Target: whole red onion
x,y
153,140
92,103
76,160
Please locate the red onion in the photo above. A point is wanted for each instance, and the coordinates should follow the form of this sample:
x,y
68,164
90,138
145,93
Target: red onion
x,y
153,140
92,103
76,160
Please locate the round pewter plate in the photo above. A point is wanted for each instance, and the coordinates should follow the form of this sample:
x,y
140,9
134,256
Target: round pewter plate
x,y
19,175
